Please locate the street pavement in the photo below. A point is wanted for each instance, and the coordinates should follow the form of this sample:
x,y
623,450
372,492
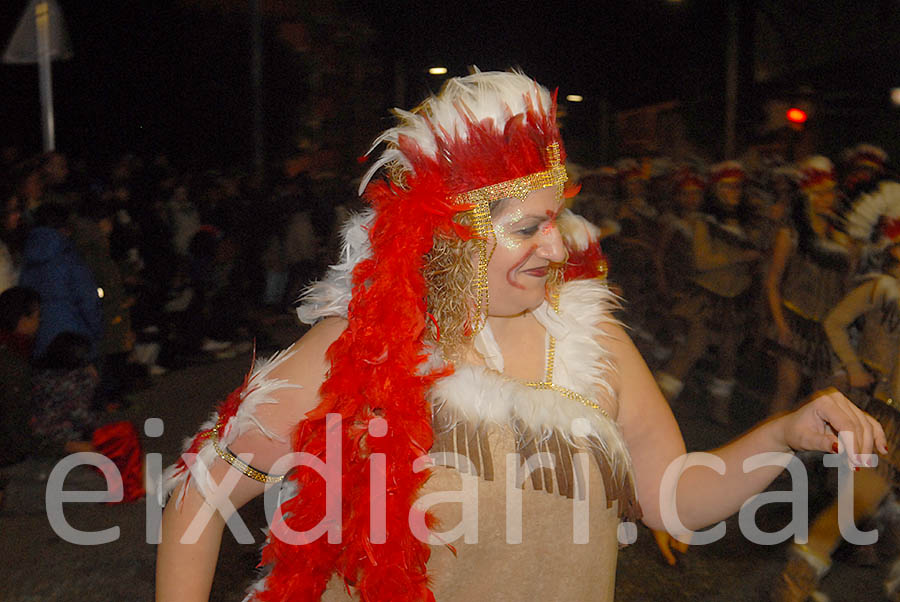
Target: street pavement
x,y
43,567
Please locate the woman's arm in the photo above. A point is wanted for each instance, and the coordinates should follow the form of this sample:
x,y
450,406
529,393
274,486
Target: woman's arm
x,y
193,521
186,556
781,252
659,257
859,301
703,495
705,257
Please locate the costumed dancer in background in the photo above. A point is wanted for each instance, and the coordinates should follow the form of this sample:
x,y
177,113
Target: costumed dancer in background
x,y
808,274
774,193
673,256
865,165
631,250
596,199
598,189
865,170
465,319
718,306
635,214
872,378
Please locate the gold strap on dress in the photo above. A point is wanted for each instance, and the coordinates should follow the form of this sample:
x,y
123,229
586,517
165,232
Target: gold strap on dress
x,y
569,394
548,385
240,465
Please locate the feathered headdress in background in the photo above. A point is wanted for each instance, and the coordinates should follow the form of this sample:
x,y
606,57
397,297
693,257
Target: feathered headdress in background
x,y
815,171
876,215
726,171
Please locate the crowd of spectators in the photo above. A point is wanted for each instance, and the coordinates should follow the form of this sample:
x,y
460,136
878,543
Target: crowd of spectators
x,y
114,273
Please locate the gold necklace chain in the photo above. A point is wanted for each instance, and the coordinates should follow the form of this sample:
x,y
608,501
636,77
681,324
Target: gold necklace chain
x,y
567,393
548,385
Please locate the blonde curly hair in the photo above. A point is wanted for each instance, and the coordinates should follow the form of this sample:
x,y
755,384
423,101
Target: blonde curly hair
x,y
450,273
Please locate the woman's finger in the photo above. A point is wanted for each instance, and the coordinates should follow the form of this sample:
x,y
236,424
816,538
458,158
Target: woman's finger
x,y
866,438
843,418
880,436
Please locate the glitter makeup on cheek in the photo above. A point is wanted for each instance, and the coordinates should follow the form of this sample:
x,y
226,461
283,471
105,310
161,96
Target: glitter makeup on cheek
x,y
511,273
502,230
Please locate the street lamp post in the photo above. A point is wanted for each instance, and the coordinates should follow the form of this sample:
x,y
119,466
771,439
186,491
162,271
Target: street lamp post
x,y
39,37
42,26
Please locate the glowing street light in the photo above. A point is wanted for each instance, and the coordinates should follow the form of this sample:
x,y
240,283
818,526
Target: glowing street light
x,y
437,71
895,97
797,116
575,98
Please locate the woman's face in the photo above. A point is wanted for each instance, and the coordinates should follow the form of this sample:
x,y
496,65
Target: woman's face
x,y
821,197
28,325
527,242
690,199
635,188
13,214
894,250
729,193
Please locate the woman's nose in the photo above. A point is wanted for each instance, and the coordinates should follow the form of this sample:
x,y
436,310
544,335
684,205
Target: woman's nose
x,y
552,247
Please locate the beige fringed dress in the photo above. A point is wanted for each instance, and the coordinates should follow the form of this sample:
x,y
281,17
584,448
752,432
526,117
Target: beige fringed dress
x,y
505,450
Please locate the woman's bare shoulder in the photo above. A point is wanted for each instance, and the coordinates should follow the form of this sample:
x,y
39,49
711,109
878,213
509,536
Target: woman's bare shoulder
x,y
304,367
311,347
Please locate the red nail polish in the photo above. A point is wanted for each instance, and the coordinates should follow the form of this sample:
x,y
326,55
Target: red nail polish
x,y
834,447
856,468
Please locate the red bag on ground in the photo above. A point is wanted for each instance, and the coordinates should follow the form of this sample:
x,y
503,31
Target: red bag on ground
x,y
119,442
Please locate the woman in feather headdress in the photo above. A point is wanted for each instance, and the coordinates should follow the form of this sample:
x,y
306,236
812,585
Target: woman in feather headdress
x,y
811,263
871,375
466,319
721,270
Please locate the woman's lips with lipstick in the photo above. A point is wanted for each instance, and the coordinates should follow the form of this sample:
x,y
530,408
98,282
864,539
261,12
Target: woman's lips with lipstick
x,y
537,272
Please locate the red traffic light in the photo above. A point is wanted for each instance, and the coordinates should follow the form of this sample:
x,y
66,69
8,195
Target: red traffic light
x,y
795,115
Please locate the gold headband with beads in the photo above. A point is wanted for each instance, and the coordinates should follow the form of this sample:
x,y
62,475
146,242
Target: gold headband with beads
x,y
480,200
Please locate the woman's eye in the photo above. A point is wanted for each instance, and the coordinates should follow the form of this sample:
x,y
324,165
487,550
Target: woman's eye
x,y
529,231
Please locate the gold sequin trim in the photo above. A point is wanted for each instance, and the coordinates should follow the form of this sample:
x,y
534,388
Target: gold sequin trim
x,y
800,312
602,269
519,187
243,467
481,221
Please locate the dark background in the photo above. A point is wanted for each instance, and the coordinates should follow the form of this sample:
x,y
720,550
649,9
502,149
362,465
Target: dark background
x,y
174,75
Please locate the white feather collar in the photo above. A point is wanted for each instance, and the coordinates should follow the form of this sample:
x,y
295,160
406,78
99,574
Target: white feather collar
x,y
478,394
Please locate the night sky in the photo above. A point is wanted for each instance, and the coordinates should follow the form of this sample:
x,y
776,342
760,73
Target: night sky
x,y
174,75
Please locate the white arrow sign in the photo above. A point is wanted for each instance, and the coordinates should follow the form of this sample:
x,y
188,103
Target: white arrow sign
x,y
40,37
23,45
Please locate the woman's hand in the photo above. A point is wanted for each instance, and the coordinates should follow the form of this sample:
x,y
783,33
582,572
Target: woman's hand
x,y
785,336
830,422
666,543
859,377
750,255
